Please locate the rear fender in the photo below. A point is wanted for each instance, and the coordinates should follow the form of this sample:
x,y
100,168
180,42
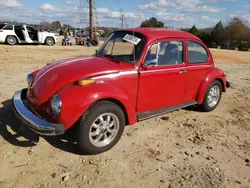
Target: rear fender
x,y
77,99
212,74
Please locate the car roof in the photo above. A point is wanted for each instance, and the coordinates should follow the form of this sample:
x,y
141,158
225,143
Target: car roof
x,y
156,33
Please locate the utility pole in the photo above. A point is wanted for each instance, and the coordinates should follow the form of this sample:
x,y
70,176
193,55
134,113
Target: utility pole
x,y
122,18
91,19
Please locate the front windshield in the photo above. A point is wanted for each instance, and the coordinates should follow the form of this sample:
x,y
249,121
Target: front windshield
x,y
124,46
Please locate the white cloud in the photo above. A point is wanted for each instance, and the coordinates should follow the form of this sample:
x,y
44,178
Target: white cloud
x,y
103,11
247,17
205,18
216,1
174,17
246,6
9,4
204,8
46,7
70,2
183,5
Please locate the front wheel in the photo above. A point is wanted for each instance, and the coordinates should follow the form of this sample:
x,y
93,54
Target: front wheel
x,y
212,96
49,41
100,127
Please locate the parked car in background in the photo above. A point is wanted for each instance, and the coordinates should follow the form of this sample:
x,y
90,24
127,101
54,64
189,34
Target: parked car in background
x,y
25,34
137,74
82,34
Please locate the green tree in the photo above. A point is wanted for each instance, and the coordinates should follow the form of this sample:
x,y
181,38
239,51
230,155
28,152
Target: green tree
x,y
152,22
206,38
194,31
217,34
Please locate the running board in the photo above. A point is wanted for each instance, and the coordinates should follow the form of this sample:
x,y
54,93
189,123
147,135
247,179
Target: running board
x,y
149,114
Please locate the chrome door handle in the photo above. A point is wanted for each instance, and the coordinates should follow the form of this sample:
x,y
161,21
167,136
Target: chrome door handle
x,y
183,71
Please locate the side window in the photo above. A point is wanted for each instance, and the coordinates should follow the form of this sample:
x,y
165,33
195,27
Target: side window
x,y
196,53
8,27
166,53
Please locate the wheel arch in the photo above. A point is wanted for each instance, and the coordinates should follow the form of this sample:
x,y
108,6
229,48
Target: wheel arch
x,y
17,39
119,103
212,75
49,37
222,84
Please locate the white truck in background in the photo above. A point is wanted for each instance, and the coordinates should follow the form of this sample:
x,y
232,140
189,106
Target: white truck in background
x,y
25,34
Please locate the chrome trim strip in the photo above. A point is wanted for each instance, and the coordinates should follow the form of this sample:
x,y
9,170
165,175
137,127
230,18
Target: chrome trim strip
x,y
114,75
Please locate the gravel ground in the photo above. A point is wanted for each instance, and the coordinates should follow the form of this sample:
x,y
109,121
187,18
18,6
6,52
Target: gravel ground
x,y
191,149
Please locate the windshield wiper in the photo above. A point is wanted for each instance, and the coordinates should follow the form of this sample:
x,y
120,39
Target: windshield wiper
x,y
112,58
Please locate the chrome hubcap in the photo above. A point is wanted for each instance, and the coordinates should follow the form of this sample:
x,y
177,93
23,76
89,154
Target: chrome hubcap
x,y
49,41
213,96
104,129
11,40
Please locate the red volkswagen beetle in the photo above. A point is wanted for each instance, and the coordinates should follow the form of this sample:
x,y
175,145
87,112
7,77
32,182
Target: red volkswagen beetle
x,y
136,74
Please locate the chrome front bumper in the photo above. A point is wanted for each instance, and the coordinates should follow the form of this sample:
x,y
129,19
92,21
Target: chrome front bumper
x,y
36,124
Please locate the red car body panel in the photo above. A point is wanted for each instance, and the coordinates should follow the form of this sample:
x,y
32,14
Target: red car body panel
x,y
134,87
81,98
211,75
56,76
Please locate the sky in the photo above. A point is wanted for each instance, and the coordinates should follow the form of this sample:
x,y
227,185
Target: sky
x,y
174,13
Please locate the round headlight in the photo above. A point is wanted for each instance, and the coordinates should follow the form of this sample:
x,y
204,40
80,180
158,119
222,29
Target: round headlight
x,y
29,79
56,104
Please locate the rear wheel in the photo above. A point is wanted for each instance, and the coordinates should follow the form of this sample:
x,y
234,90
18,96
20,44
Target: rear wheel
x,y
49,41
212,97
11,40
100,127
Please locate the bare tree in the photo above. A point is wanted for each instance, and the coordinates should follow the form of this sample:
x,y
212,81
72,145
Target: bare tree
x,y
55,25
236,32
44,25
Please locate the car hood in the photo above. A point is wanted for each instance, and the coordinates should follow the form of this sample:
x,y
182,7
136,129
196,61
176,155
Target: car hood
x,y
55,76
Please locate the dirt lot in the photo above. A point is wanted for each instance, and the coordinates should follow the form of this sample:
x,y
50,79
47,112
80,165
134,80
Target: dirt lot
x,y
191,149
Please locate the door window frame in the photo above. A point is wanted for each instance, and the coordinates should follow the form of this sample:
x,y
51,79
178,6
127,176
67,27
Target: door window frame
x,y
184,54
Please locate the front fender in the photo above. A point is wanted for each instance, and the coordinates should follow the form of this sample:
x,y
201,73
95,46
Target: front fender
x,y
212,74
44,35
77,99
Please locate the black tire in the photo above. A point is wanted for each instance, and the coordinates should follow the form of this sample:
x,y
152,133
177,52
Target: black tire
x,y
11,40
49,41
205,107
89,117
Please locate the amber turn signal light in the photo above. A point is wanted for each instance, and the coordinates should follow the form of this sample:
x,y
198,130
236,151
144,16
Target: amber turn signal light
x,y
84,82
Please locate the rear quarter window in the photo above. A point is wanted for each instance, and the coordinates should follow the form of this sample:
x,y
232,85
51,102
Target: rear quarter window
x,y
1,26
8,27
196,53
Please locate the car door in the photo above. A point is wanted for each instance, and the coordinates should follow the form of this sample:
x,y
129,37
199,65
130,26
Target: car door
x,y
39,36
26,35
199,61
162,77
